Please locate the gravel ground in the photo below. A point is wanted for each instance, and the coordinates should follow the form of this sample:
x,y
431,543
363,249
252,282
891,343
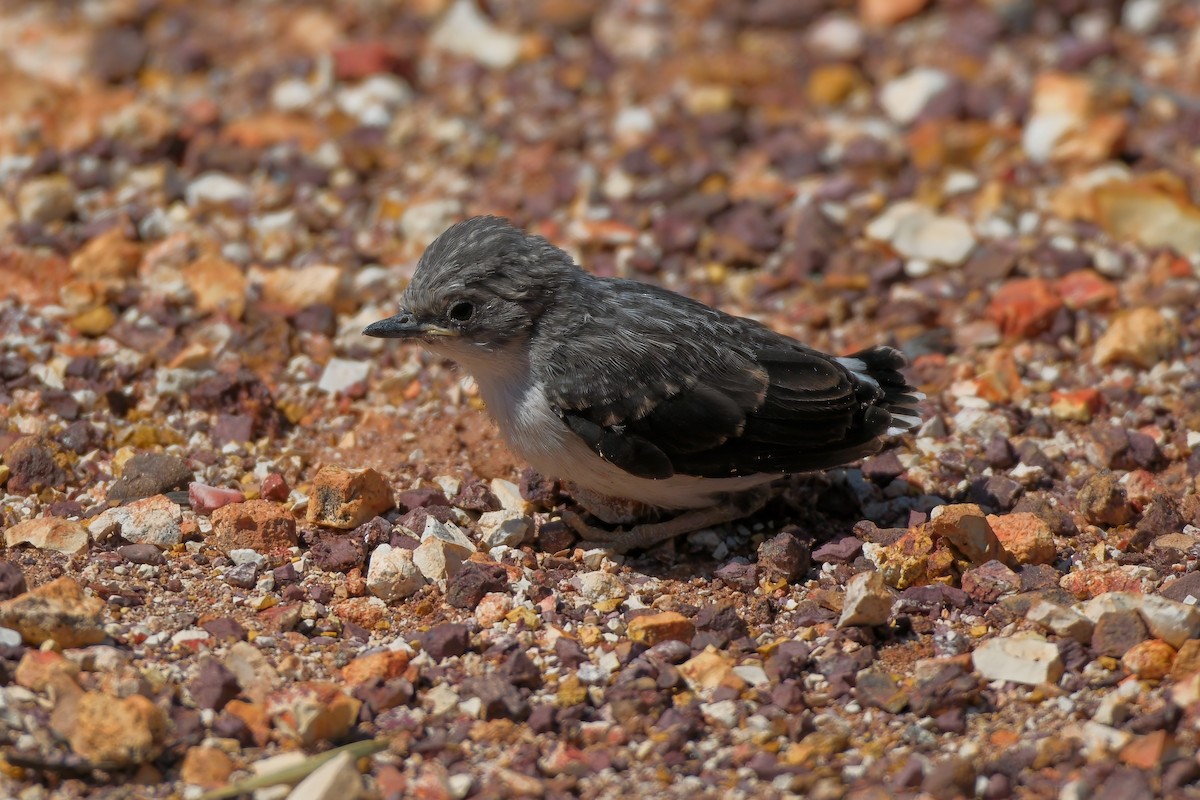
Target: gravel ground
x,y
238,535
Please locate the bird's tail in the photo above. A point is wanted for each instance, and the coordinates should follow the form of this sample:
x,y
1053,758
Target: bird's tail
x,y
881,367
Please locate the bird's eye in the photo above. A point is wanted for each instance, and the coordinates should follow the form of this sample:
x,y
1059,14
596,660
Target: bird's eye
x,y
462,311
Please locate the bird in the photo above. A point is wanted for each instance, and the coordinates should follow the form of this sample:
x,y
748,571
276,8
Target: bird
x,y
646,404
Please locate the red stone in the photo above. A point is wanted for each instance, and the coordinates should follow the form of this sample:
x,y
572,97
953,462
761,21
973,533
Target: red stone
x,y
1024,307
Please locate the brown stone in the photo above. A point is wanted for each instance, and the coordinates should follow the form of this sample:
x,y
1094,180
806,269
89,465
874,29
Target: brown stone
x,y
1150,660
1117,632
1024,307
885,13
256,524
107,257
218,285
1187,660
965,527
39,669
206,767
313,711
1141,337
118,731
1103,501
36,463
343,498
48,533
59,610
1025,536
384,666
650,629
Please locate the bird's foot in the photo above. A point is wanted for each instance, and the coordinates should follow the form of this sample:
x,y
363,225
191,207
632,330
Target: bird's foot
x,y
647,535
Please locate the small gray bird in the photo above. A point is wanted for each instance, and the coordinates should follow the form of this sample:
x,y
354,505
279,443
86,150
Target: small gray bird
x,y
642,400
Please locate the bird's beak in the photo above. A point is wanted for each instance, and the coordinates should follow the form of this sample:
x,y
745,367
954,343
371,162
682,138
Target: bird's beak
x,y
404,325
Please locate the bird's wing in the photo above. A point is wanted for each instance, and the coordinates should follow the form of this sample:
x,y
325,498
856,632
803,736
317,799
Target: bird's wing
x,y
680,388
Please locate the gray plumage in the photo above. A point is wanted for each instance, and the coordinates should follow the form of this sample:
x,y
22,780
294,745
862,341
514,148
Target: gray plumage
x,y
635,392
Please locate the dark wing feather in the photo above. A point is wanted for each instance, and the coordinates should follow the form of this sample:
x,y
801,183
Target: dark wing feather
x,y
662,385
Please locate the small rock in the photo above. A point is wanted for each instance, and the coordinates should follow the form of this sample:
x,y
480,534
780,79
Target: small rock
x,y
382,666
392,574
509,496
1141,337
438,559
243,576
58,611
41,201
465,31
785,556
154,520
905,97
336,779
1103,501
207,499
966,528
446,640
40,670
313,711
214,685
142,554
12,580
473,582
35,463
315,285
919,233
1061,620
885,13
1024,307
1150,660
988,582
1027,661
275,488
117,731
1173,622
335,551
598,586
491,608
1025,536
343,498
216,191
650,629
706,670
49,533
149,474
868,601
219,286
508,528
206,767
1118,631
342,376
259,525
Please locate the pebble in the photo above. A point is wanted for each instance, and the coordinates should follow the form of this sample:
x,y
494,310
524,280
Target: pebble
x,y
966,528
837,36
118,731
12,580
60,611
1025,537
598,586
49,533
206,767
1142,337
256,524
650,629
35,463
1103,501
1022,660
216,191
1150,660
313,711
149,474
154,520
336,779
904,98
509,528
206,499
375,101
492,608
1024,307
868,601
1116,632
509,496
1061,620
446,640
343,376
785,556
44,200
465,31
314,285
919,233
343,498
393,574
438,559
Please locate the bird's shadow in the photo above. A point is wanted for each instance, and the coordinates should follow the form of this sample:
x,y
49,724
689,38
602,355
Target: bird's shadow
x,y
817,508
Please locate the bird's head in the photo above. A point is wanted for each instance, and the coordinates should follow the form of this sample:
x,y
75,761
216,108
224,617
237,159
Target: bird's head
x,y
481,285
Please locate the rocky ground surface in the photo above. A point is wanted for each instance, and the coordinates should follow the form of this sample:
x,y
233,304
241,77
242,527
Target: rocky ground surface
x,y
244,543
